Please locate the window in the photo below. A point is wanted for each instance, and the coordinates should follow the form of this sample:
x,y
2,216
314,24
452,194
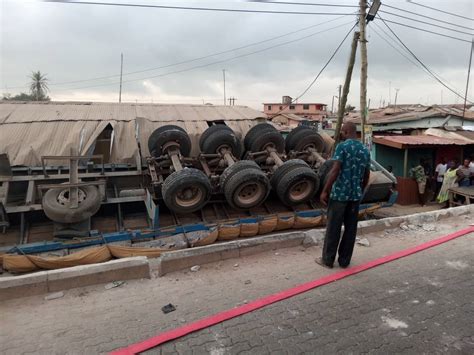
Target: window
x,y
292,107
305,107
269,107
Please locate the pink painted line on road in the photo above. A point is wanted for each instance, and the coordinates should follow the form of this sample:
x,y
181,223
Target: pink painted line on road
x,y
265,301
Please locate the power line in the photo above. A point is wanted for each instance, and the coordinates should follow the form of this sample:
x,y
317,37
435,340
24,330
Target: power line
x,y
443,11
193,8
320,72
403,49
190,60
432,32
300,3
428,17
215,62
424,22
418,60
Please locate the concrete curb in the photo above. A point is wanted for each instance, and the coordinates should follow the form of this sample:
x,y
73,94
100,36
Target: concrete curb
x,y
77,276
185,258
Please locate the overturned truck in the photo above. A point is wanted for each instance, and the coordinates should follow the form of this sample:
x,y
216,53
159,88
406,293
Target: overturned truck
x,y
158,177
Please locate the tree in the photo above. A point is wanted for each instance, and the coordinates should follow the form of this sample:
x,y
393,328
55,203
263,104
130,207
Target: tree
x,y
38,86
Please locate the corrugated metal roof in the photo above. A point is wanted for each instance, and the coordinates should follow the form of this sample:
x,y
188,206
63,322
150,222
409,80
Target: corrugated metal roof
x,y
458,134
403,141
58,111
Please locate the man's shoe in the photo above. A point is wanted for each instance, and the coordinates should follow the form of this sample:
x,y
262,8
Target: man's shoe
x,y
322,263
343,266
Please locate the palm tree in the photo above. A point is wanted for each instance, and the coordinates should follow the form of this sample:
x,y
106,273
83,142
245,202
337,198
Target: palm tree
x,y
38,86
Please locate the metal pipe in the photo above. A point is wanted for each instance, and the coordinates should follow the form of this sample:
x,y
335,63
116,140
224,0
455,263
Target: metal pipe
x,y
276,158
228,158
174,155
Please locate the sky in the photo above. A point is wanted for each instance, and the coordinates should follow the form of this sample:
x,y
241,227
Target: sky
x,y
73,43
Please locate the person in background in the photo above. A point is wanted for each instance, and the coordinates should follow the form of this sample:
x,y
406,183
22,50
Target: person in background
x,y
440,170
342,193
418,173
449,180
464,174
471,167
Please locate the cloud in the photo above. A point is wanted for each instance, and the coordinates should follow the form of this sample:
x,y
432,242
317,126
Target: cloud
x,y
75,42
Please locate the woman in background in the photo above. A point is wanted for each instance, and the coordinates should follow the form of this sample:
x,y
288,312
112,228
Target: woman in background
x,y
449,181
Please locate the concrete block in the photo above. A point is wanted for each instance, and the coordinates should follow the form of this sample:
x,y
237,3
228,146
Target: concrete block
x,y
85,275
23,285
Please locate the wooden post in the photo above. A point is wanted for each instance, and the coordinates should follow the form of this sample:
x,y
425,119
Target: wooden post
x,y
405,163
345,91
363,67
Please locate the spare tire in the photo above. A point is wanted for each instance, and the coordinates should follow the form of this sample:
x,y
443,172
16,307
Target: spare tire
x,y
257,130
246,188
56,204
297,186
217,137
186,190
301,139
167,134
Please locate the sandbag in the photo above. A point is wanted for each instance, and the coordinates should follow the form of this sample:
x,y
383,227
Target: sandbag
x,y
126,252
307,222
202,238
83,257
18,263
285,221
267,225
229,231
248,229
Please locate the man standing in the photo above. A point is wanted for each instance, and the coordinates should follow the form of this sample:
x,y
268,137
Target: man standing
x,y
439,175
418,173
464,173
342,193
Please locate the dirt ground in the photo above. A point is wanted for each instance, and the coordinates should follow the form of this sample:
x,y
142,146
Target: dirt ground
x,y
95,319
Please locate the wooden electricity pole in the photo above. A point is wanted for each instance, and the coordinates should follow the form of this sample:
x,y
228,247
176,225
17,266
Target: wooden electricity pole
x,y
121,71
345,90
363,67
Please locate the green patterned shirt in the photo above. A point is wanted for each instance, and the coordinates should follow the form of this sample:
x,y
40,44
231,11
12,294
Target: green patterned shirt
x,y
354,158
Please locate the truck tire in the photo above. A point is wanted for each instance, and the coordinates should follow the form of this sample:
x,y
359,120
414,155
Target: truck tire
x,y
292,133
217,137
238,165
259,142
255,131
282,169
304,138
297,186
246,188
56,204
167,134
186,190
323,174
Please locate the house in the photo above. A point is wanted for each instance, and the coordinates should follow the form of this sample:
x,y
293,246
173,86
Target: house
x,y
313,111
287,119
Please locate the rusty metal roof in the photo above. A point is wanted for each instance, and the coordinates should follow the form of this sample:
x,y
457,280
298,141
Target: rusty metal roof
x,y
402,142
22,112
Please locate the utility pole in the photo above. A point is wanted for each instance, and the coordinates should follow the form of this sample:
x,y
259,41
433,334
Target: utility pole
x,y
223,74
363,67
345,91
467,82
121,71
396,95
339,97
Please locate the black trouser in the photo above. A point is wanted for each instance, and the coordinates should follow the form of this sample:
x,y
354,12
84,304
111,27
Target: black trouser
x,y
340,212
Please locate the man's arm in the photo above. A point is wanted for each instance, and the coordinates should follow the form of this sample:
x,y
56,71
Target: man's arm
x,y
332,177
365,179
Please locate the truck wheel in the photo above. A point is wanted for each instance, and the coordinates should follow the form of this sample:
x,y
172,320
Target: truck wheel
x,y
168,134
301,139
56,204
217,137
186,190
238,165
255,131
283,169
323,174
265,139
297,186
246,188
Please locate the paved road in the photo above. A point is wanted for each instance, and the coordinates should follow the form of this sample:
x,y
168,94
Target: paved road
x,y
423,303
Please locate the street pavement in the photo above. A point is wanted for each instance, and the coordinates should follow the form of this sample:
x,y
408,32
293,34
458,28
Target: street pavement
x,y
423,303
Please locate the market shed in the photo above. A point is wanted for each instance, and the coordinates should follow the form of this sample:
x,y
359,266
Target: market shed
x,y
119,131
403,152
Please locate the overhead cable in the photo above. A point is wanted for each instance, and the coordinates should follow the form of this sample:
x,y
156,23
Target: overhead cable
x,y
215,62
428,17
194,8
439,10
301,3
418,60
190,60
